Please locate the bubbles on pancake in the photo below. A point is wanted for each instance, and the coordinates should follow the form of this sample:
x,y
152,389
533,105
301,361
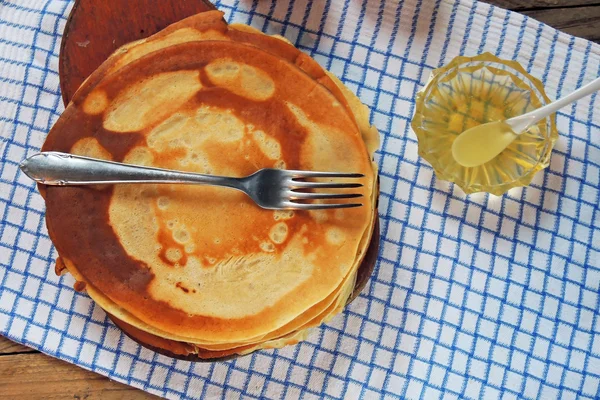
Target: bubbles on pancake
x,y
151,100
282,214
193,136
241,79
173,255
267,247
96,102
191,131
181,236
199,161
278,232
163,202
335,236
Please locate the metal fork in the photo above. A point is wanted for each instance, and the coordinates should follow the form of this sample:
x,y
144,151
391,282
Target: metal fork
x,y
273,189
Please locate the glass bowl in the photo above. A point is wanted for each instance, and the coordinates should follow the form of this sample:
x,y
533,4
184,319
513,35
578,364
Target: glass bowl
x,y
470,91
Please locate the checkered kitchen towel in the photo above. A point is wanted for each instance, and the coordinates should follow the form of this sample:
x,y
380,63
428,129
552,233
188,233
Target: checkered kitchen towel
x,y
472,297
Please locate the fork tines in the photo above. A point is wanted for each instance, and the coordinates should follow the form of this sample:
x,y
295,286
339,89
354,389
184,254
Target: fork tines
x,y
301,189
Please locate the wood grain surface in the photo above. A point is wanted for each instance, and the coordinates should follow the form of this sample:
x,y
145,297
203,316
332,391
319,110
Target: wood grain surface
x,y
519,5
26,373
576,17
8,347
578,21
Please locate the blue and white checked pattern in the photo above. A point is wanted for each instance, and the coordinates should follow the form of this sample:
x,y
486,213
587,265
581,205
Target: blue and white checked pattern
x,y
472,297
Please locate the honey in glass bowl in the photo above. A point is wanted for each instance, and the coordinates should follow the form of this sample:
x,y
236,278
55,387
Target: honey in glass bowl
x,y
470,91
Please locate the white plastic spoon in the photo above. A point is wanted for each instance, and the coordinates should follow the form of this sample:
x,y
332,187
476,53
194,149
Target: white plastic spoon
x,y
482,143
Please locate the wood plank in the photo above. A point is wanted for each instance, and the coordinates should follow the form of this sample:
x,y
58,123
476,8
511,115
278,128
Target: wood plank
x,y
7,346
537,4
37,376
580,21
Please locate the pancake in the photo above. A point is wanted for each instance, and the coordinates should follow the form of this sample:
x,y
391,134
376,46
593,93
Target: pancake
x,y
196,270
112,111
309,318
210,25
190,351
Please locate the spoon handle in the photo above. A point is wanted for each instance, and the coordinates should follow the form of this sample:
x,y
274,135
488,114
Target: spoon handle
x,y
521,123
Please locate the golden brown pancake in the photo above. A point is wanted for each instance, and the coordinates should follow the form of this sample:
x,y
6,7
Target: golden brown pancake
x,y
201,262
211,26
312,317
192,351
161,128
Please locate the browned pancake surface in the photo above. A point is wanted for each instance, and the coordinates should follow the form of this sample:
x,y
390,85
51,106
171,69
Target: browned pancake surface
x,y
187,107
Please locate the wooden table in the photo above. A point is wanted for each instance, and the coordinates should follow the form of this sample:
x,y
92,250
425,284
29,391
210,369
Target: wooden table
x,y
26,373
575,17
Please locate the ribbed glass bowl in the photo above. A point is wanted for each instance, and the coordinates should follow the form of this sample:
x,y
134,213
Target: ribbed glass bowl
x,y
470,91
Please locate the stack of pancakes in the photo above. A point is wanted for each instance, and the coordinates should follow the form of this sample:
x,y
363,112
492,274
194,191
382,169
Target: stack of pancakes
x,y
197,271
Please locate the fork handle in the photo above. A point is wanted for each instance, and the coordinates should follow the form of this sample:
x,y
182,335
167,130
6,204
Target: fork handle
x,y
62,169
